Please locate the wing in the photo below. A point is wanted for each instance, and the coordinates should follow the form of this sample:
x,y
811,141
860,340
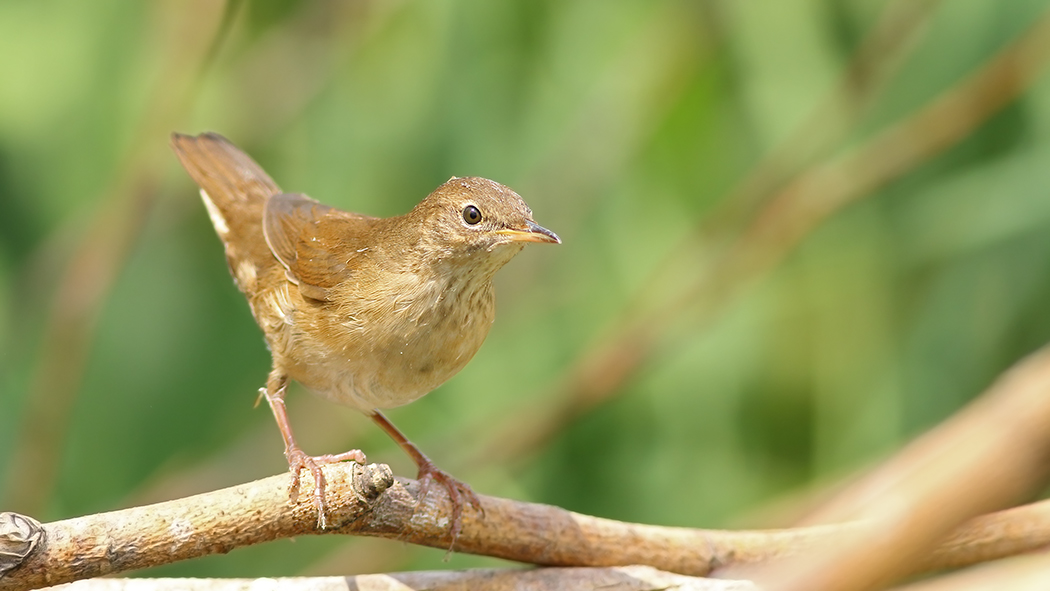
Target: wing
x,y
315,242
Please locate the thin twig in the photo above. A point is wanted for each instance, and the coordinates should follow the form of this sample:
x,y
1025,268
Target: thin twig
x,y
989,455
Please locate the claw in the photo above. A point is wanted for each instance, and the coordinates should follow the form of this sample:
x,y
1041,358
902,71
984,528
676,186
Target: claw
x,y
458,492
297,460
428,473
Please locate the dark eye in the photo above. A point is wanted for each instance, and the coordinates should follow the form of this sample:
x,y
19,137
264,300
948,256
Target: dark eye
x,y
471,215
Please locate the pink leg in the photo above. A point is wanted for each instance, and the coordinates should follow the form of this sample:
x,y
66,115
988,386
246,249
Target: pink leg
x,y
297,458
458,491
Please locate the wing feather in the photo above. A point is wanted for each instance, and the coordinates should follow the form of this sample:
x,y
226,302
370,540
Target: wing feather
x,y
315,243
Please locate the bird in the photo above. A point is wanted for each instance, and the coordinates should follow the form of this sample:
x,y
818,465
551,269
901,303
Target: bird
x,y
367,312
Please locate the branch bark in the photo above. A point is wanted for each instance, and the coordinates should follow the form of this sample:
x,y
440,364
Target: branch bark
x,y
369,501
991,454
906,516
209,523
623,578
1024,573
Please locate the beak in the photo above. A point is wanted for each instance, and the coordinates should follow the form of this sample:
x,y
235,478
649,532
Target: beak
x,y
532,232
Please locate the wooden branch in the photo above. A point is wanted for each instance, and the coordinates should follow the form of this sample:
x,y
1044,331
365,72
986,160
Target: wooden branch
x,y
209,523
1025,573
369,501
994,536
622,578
991,454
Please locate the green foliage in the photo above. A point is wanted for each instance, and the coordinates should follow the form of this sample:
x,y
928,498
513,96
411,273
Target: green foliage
x,y
625,125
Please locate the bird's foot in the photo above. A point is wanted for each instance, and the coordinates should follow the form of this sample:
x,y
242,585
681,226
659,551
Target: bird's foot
x,y
298,460
458,492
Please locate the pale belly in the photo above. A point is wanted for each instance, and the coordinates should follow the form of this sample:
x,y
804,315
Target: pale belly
x,y
384,378
384,358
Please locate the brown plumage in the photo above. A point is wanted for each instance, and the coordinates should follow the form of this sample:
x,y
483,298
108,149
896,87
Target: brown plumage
x,y
368,312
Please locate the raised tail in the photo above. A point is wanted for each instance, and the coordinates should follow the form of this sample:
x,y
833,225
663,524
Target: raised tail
x,y
234,189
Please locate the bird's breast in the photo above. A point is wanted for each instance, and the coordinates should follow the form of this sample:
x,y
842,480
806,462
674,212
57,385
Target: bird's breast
x,y
383,346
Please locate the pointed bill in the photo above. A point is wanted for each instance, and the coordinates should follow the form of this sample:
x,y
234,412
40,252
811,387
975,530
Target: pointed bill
x,y
532,232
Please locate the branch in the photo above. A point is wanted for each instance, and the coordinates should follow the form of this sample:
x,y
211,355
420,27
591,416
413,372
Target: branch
x,y
1029,573
623,578
209,523
989,455
369,501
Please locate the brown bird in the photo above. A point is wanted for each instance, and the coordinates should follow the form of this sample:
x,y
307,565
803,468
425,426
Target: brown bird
x,y
367,312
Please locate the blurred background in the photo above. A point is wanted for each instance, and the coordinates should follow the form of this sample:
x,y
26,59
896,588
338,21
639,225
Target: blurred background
x,y
797,234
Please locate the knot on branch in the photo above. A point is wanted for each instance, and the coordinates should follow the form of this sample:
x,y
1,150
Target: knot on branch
x,y
373,480
19,535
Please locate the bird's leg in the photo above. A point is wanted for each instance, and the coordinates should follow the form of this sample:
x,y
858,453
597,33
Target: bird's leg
x,y
276,385
458,491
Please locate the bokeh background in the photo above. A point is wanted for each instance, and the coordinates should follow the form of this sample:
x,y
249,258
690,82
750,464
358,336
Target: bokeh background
x,y
797,233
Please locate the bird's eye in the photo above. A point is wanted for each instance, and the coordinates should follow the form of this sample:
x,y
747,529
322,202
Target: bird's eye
x,y
471,215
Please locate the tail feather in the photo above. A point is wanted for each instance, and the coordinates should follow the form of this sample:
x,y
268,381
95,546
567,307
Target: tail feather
x,y
235,190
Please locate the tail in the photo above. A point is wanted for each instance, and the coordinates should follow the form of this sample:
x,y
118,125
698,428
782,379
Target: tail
x,y
234,189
